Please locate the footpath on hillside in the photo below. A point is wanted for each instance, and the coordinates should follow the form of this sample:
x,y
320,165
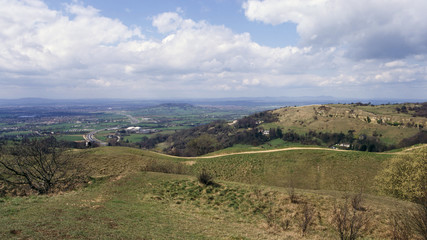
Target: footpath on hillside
x,y
287,149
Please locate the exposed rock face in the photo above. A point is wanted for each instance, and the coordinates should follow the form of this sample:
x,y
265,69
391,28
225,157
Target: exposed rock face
x,y
310,113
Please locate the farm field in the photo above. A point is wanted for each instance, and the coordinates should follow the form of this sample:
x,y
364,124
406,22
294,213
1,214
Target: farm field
x,y
17,123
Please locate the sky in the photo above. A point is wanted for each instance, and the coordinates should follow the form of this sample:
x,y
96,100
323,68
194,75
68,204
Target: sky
x,y
144,49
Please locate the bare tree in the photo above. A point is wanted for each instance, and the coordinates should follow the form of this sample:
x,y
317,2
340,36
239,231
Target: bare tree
x,y
348,221
41,164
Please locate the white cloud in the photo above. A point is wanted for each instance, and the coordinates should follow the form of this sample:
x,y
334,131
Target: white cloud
x,y
167,22
78,52
397,63
100,82
365,28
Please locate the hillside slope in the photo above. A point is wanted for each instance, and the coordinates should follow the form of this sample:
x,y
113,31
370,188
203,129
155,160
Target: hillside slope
x,y
128,198
382,121
165,206
351,126
306,167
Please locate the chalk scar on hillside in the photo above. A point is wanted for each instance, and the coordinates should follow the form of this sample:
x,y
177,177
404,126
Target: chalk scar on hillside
x,y
189,163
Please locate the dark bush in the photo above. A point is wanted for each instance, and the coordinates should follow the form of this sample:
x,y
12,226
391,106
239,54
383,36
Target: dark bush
x,y
205,178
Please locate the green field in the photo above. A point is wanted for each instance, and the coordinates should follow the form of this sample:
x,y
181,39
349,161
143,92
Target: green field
x,y
15,133
71,138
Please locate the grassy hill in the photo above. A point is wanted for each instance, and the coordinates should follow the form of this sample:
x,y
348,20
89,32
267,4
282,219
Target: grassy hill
x,y
391,126
250,200
305,167
164,206
308,169
354,126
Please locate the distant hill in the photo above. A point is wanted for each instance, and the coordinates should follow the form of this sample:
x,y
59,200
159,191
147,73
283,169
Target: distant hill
x,y
388,123
358,126
181,105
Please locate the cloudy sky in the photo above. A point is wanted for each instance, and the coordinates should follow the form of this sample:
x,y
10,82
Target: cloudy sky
x,y
213,48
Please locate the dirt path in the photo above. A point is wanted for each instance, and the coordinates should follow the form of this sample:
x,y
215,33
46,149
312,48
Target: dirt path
x,y
278,150
270,151
256,152
413,148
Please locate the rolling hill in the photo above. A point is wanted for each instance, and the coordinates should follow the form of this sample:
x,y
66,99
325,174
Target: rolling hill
x,y
383,121
130,196
358,126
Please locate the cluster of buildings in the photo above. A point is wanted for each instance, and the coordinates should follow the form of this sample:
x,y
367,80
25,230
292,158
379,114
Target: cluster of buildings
x,y
140,130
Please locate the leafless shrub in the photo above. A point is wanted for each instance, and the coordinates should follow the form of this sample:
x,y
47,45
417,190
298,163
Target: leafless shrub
x,y
273,212
291,189
276,218
306,218
400,226
292,195
319,218
349,222
284,224
265,206
271,217
418,220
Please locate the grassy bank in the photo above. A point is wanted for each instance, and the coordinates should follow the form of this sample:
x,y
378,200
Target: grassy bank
x,y
148,205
